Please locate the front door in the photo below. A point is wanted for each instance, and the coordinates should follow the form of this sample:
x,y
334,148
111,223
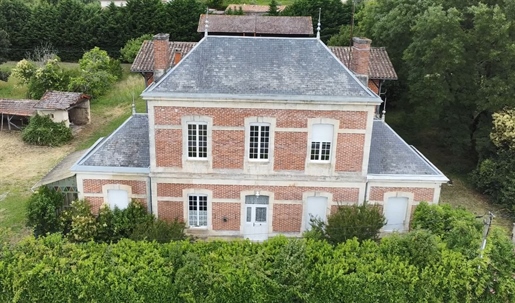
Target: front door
x,y
256,218
395,212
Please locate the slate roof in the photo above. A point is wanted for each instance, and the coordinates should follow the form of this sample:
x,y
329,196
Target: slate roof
x,y
380,66
127,146
18,107
62,170
144,61
255,24
391,155
61,100
252,8
288,68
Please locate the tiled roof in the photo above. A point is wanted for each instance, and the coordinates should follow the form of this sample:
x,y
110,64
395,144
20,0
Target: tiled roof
x,y
60,100
269,25
253,9
391,155
125,147
380,66
260,66
144,61
18,107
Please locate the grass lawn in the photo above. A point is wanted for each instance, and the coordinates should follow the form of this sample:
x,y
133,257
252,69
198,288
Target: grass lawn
x,y
23,165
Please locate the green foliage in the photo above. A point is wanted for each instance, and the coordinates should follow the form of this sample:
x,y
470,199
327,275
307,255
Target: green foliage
x,y
98,72
362,222
272,8
4,75
131,48
78,223
43,210
43,131
343,38
404,268
50,76
4,45
159,231
24,71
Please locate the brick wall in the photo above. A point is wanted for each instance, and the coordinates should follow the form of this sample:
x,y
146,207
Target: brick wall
x,y
290,151
287,217
231,212
95,185
168,147
228,146
169,211
290,193
95,203
420,193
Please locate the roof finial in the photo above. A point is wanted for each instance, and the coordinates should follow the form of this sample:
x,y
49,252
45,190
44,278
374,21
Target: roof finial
x,y
206,26
383,116
133,104
318,27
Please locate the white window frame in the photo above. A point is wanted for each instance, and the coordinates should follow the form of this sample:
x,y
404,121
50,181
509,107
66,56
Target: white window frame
x,y
107,187
259,166
197,140
196,164
186,193
322,144
259,148
197,199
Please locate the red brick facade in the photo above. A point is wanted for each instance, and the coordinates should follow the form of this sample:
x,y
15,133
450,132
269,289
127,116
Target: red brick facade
x,y
226,216
95,185
420,193
287,218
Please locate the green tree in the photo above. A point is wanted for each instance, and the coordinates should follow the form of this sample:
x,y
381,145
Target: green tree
x,y
182,19
132,47
14,20
334,14
43,211
272,8
343,38
4,46
50,76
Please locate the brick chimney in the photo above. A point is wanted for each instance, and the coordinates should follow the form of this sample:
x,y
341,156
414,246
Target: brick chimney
x,y
161,55
360,55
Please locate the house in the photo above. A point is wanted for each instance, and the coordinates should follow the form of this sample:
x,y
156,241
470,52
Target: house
x,y
371,64
252,9
256,25
251,137
70,107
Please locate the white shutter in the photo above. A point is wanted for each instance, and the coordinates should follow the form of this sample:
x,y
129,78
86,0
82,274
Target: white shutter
x,y
315,207
322,133
117,198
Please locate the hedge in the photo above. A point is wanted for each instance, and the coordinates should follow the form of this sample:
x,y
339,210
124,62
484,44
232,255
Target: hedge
x,y
50,269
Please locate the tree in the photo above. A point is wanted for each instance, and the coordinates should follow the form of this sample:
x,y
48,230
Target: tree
x,y
50,76
334,14
272,9
182,19
4,46
362,222
343,38
43,211
132,47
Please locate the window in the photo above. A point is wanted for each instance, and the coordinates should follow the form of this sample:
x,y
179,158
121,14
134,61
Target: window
x,y
321,140
259,141
117,198
197,210
197,140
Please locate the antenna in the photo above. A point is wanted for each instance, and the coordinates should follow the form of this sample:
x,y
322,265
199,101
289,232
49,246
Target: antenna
x,y
206,26
318,25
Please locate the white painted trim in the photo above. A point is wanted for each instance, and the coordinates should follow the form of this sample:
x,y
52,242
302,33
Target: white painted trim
x,y
259,182
305,196
259,166
107,187
399,194
203,165
368,141
270,214
321,168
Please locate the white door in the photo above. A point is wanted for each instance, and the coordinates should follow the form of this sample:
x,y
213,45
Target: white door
x,y
117,198
256,218
315,207
395,212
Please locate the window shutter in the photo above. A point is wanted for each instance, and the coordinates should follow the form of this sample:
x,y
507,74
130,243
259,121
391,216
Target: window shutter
x,y
322,133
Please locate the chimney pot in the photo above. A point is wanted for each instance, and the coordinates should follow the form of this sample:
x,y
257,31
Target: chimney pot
x,y
161,54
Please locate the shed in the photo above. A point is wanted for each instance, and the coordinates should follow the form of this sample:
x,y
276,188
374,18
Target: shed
x,y
72,108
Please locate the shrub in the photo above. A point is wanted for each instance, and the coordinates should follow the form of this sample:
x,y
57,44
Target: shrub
x,y
24,71
78,223
131,48
362,222
43,131
4,75
50,76
43,211
160,231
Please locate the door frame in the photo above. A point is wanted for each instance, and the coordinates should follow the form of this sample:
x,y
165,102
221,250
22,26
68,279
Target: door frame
x,y
243,209
397,194
305,196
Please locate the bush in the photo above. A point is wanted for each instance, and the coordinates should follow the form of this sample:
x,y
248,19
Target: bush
x,y
132,47
43,131
78,223
160,231
24,71
362,222
43,210
50,76
4,75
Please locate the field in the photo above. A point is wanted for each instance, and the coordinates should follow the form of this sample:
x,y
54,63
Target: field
x,y
23,165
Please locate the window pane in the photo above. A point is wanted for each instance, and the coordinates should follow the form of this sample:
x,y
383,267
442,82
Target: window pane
x,y
315,150
249,214
192,140
197,213
260,214
326,151
265,137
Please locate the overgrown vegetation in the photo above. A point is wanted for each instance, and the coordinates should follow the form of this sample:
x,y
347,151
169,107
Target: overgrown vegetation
x,y
47,214
362,222
43,131
132,47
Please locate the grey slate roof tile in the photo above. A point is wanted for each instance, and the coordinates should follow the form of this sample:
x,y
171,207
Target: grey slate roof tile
x,y
261,66
128,146
391,155
255,24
